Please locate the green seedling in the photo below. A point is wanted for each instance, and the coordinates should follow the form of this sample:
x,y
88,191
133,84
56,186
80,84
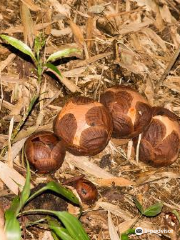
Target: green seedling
x,y
125,235
42,65
67,227
151,211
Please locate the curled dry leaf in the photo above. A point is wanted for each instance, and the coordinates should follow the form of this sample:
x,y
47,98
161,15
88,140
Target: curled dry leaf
x,y
78,35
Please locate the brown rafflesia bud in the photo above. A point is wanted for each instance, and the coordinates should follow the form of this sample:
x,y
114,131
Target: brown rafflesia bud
x,y
130,111
44,151
85,125
87,191
160,143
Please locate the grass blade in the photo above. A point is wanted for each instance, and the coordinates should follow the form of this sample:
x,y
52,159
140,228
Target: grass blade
x,y
26,189
62,233
139,206
58,230
73,226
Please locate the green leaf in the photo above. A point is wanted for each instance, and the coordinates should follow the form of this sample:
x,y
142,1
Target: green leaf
x,y
138,205
73,226
62,233
62,53
26,189
153,210
57,188
13,231
55,237
59,230
54,69
14,206
124,236
19,45
12,226
176,214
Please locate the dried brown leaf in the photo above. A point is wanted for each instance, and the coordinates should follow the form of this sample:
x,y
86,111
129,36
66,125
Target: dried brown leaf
x,y
6,104
76,72
27,24
150,176
19,29
31,5
48,18
93,59
7,61
116,181
124,226
134,27
78,35
112,229
173,83
11,78
149,91
89,33
15,149
69,84
9,154
62,32
155,37
89,167
166,14
115,209
62,9
17,107
11,178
